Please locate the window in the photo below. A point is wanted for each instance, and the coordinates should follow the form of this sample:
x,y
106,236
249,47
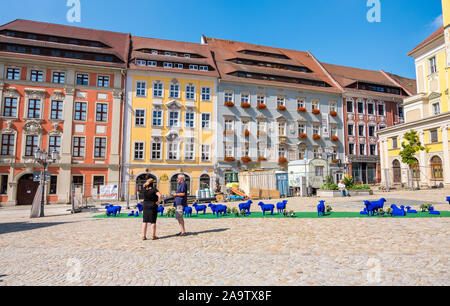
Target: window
x,y
436,168
178,66
372,130
10,107
380,109
206,93
78,181
434,136
7,145
156,150
34,108
187,56
152,63
168,65
193,67
206,121
139,150
319,171
360,107
80,111
245,125
261,127
245,149
281,128
3,184
351,149
157,117
370,108
154,52
98,182
349,106
35,51
261,99
100,147
281,101
401,113
316,129
228,96
31,145
56,110
362,149
102,112
436,108
350,130
189,149
361,130
190,92
229,149
373,149
59,77
245,98
139,117
174,92
204,68
82,79
261,150
302,152
13,74
332,106
315,104
394,143
36,76
103,81
173,119
141,62
54,144
189,120
301,128
333,131
141,89
158,89
79,145
433,65
301,102
281,152
228,125
172,151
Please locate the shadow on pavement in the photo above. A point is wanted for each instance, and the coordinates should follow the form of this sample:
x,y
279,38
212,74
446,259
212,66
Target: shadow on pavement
x,y
2,275
197,233
13,227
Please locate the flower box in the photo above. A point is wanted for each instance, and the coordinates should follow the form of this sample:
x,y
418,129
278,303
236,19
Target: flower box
x,y
282,160
281,108
333,113
334,138
246,105
316,137
228,132
246,159
229,104
335,161
316,111
302,136
262,159
261,106
247,133
230,159
302,109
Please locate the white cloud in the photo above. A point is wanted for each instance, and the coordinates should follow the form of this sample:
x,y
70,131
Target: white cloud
x,y
437,22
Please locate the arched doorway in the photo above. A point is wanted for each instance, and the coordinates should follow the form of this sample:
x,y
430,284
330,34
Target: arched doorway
x,y
416,170
140,181
436,168
26,190
205,182
397,171
174,183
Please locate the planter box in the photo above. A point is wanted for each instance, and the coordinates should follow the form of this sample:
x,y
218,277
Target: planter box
x,y
337,194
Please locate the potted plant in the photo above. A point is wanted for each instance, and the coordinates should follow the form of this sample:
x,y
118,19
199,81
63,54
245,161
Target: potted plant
x,y
302,109
329,209
282,160
316,137
230,159
247,133
281,108
316,111
235,212
229,104
334,138
302,136
262,159
292,213
246,159
243,213
333,113
285,213
381,212
261,106
228,211
388,211
245,105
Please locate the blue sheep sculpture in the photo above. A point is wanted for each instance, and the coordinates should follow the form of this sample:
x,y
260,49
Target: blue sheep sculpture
x,y
112,210
200,208
131,214
140,207
410,211
266,207
321,208
187,211
434,212
246,206
398,211
448,200
281,206
221,209
364,212
161,210
372,207
137,214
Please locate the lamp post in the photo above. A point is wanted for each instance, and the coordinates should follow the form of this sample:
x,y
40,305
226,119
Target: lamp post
x,y
43,158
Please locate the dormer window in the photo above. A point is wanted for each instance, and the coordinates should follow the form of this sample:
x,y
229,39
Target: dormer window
x,y
168,65
187,56
193,67
203,68
433,65
154,52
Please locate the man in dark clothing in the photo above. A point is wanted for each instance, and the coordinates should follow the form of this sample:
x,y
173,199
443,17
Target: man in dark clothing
x,y
181,202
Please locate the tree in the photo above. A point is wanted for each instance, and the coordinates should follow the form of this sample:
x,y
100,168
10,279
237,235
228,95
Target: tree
x,y
411,146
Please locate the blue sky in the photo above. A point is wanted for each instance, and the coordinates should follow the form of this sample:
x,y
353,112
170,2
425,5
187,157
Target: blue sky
x,y
335,31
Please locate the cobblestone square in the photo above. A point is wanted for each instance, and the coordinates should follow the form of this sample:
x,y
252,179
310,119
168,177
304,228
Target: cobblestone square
x,y
64,249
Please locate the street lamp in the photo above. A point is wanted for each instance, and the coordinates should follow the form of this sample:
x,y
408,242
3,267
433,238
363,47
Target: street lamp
x,y
45,159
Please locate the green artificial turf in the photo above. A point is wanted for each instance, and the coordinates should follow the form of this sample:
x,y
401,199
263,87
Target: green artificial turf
x,y
299,215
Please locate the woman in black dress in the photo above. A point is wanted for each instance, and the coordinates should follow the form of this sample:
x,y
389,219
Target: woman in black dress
x,y
152,198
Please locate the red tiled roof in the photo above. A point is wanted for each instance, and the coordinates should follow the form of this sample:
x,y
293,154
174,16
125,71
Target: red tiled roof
x,y
433,36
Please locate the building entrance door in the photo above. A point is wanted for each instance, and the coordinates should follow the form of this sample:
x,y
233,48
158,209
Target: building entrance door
x,y
26,190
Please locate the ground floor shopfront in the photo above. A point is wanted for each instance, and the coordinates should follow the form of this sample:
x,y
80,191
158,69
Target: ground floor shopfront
x,y
364,169
19,188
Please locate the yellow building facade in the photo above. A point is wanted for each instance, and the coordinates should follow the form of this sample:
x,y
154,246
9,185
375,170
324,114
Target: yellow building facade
x,y
169,117
427,113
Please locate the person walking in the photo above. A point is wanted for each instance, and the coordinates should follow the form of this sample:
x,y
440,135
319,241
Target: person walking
x,y
181,202
152,198
343,189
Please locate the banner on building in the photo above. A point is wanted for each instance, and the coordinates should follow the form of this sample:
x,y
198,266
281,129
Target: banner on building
x,y
325,126
109,192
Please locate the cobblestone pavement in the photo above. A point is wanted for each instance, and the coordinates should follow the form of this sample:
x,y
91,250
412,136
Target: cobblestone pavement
x,y
64,249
